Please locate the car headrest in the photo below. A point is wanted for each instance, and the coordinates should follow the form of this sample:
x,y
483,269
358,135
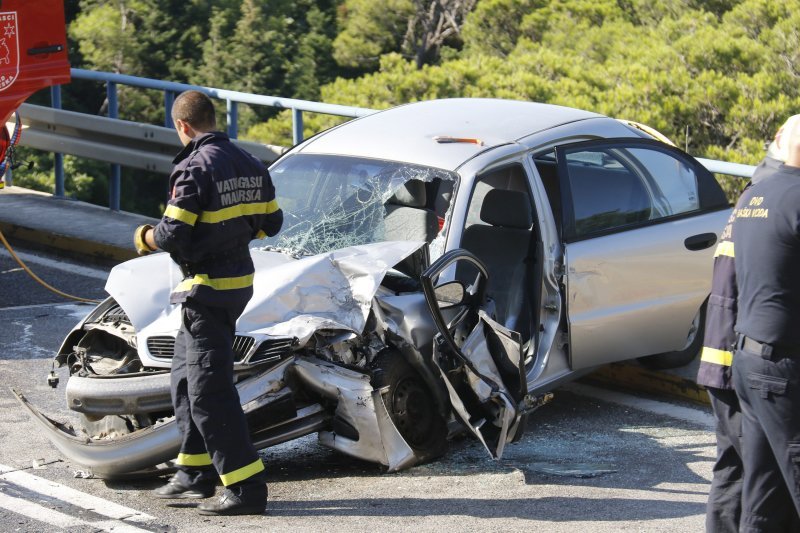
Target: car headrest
x,y
410,194
508,209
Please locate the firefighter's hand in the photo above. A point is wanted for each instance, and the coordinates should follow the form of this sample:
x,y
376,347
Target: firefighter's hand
x,y
140,239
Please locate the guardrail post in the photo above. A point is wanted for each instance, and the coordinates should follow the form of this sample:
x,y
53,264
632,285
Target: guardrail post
x,y
58,161
232,118
114,184
297,125
169,99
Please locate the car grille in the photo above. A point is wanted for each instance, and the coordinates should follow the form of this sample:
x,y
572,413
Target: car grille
x,y
116,315
273,348
164,346
161,346
241,345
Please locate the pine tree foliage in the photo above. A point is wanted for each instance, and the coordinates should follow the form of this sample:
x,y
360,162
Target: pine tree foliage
x,y
717,76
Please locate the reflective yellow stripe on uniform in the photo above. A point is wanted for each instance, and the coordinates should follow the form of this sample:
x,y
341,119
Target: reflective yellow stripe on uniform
x,y
193,459
718,357
173,211
724,248
242,473
234,211
218,284
260,234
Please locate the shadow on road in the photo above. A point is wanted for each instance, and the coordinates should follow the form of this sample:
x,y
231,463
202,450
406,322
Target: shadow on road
x,y
547,508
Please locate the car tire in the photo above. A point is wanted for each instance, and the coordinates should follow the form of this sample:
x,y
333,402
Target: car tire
x,y
667,360
411,405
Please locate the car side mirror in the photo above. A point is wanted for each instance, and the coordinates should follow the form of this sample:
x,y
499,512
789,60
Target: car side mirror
x,y
450,294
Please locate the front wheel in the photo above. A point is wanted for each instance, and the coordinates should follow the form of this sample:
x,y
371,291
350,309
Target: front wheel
x,y
411,405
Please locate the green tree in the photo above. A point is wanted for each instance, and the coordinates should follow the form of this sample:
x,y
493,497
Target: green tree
x,y
717,76
369,30
416,28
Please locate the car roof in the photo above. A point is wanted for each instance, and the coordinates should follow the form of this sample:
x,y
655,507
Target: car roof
x,y
407,133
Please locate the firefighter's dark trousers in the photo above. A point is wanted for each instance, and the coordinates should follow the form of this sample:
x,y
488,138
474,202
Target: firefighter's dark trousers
x,y
207,410
768,388
725,495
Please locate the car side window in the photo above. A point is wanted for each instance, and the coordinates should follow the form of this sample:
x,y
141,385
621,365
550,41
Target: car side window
x,y
617,187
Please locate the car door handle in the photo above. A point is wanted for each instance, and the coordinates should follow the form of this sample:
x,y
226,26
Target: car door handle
x,y
46,49
700,242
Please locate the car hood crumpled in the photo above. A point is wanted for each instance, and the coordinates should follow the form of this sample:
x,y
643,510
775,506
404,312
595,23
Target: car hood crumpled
x,y
329,291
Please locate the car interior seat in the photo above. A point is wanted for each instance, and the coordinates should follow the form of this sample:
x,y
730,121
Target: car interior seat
x,y
441,191
502,244
407,217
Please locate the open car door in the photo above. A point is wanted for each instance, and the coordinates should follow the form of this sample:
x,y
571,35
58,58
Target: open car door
x,y
480,361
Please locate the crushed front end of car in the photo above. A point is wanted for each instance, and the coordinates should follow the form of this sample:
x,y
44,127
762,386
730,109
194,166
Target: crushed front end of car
x,y
312,354
339,338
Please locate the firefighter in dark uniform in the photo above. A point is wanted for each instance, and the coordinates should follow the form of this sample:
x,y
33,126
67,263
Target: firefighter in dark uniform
x,y
766,364
221,198
724,498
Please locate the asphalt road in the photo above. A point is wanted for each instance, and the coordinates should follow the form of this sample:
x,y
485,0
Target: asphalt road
x,y
592,460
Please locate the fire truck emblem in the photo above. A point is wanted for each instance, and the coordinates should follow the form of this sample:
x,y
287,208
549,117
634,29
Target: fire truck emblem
x,y
9,49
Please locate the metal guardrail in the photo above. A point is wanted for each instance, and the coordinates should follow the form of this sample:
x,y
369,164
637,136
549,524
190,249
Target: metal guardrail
x,y
151,147
171,89
725,167
130,144
232,99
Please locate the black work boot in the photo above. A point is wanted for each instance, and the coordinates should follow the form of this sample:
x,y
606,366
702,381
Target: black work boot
x,y
246,499
187,485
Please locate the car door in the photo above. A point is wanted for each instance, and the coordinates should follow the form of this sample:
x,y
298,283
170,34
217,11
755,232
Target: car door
x,y
479,360
639,221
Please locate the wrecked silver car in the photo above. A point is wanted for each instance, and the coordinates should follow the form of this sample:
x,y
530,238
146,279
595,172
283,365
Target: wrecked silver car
x,y
442,268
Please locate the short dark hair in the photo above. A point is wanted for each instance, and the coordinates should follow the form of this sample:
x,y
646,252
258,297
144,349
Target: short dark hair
x,y
196,109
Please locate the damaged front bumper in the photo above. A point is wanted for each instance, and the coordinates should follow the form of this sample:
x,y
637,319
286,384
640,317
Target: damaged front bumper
x,y
142,451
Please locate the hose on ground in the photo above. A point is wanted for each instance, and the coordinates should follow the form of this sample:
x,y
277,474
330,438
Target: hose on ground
x,y
37,278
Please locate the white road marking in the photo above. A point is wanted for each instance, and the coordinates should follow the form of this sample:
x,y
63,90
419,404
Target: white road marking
x,y
118,513
687,414
38,512
55,518
31,259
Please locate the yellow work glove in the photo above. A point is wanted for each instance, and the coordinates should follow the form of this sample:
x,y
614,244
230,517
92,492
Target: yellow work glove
x,y
142,248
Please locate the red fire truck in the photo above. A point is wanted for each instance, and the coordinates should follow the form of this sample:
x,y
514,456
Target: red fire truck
x,y
33,56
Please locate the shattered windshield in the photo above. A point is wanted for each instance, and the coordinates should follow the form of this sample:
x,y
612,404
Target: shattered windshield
x,y
331,202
